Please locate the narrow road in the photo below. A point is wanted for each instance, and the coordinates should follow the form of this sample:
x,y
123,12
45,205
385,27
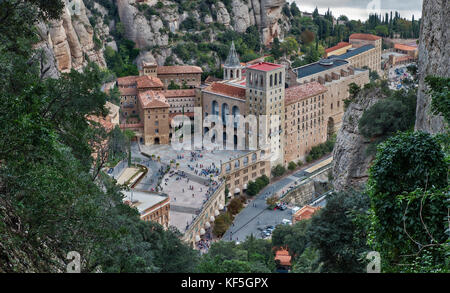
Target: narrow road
x,y
151,178
256,217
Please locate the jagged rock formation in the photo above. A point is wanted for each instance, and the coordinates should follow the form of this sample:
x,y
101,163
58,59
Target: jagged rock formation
x,y
150,32
45,55
351,161
71,38
434,59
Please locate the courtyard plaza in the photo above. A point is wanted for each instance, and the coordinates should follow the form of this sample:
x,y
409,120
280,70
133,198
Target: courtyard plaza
x,y
193,162
189,185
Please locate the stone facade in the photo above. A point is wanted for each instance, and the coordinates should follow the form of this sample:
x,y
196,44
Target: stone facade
x,y
370,58
209,211
183,76
265,91
305,122
238,172
336,75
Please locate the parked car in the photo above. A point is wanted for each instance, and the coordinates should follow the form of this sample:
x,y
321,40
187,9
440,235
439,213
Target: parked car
x,y
286,222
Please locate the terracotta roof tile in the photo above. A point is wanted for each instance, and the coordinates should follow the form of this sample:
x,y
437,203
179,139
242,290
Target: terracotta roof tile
x,y
152,99
178,93
227,90
265,66
405,47
178,69
298,93
305,213
128,91
367,37
127,80
337,47
283,256
148,82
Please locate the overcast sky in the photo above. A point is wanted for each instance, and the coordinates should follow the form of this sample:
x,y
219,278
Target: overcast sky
x,y
358,9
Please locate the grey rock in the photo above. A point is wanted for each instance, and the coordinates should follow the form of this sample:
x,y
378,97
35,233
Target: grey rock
x,y
350,159
434,59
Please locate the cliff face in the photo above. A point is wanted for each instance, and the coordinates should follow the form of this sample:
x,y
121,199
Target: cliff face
x,y
153,31
71,39
434,59
351,162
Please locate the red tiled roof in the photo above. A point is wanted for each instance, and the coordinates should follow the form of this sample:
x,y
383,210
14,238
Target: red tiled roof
x,y
127,126
127,80
337,47
305,213
405,47
128,91
226,89
367,37
146,81
178,69
265,66
152,99
298,93
283,256
178,93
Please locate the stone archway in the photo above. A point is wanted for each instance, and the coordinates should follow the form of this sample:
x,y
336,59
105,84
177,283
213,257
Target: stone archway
x,y
157,141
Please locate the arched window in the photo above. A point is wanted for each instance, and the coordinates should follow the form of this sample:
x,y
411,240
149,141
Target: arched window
x,y
271,80
215,108
236,113
225,112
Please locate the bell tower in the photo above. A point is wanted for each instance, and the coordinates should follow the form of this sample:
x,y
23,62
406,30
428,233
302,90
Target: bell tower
x,y
232,69
149,69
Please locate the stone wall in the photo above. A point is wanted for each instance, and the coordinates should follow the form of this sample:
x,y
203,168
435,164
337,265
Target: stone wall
x,y
310,190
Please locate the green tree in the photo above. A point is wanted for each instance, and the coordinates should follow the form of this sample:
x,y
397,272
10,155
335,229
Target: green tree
x,y
278,171
308,262
407,205
338,231
292,166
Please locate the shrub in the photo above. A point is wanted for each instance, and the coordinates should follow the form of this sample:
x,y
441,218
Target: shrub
x,y
235,206
292,166
222,223
278,171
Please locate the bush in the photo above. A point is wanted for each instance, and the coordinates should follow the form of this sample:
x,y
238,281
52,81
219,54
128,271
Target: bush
x,y
235,206
292,166
278,171
222,223
321,150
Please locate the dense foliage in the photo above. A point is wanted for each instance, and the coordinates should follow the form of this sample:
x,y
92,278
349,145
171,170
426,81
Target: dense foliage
x,y
395,113
250,256
408,187
334,240
49,181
